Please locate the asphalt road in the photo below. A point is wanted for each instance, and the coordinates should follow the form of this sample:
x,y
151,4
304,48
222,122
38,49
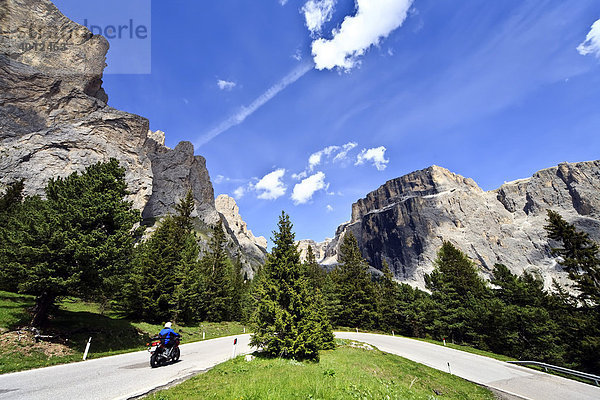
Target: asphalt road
x,y
129,375
117,377
508,378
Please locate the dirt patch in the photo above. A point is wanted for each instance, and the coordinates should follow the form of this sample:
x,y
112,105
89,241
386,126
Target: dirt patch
x,y
23,342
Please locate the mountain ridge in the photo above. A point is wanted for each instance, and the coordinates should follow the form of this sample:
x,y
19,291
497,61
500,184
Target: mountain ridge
x,y
404,221
55,120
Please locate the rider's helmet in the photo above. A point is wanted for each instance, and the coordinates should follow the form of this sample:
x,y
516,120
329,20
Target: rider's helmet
x,y
168,325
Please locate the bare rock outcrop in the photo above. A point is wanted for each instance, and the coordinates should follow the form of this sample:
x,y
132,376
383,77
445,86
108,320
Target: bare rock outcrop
x,y
405,220
319,248
253,248
55,120
54,117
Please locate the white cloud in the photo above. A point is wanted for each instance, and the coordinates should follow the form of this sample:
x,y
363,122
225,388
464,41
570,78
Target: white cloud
x,y
283,2
260,101
374,20
271,186
343,154
317,13
225,85
297,55
591,44
239,192
219,179
329,208
315,158
300,175
339,153
375,155
304,190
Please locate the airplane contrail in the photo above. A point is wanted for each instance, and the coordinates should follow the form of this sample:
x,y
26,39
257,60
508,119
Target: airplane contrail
x,y
260,101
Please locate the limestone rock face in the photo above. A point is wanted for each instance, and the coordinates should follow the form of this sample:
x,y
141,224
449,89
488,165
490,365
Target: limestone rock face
x,y
405,220
54,120
253,248
176,171
319,248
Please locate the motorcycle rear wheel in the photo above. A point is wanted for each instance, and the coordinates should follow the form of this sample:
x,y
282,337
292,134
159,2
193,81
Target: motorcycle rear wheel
x,y
176,354
154,361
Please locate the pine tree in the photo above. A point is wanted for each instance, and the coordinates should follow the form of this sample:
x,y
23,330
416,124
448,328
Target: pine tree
x,y
388,301
165,278
217,268
518,321
10,238
579,256
459,293
314,272
184,210
24,231
288,321
355,288
77,241
12,197
331,299
239,287
153,291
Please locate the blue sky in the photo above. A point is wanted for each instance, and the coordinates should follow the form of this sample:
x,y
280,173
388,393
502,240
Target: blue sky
x,y
492,90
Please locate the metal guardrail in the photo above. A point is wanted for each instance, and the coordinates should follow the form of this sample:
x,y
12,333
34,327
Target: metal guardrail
x,y
594,378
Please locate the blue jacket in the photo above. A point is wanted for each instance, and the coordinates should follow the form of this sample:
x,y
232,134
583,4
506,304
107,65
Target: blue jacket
x,y
168,333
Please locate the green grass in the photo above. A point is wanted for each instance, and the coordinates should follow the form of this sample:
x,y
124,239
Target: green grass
x,y
460,347
72,325
472,350
344,373
13,309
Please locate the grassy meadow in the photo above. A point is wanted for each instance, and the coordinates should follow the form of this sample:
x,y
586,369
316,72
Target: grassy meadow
x,y
351,371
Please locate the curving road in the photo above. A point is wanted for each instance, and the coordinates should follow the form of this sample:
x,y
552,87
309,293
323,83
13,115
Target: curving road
x,y
129,375
117,377
514,380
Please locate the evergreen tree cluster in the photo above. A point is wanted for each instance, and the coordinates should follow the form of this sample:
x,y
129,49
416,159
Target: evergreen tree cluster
x,y
75,242
83,239
512,315
170,280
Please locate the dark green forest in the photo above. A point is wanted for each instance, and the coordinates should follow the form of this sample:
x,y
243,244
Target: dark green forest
x,y
83,239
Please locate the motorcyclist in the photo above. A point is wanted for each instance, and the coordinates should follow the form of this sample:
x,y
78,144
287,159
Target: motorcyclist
x,y
169,336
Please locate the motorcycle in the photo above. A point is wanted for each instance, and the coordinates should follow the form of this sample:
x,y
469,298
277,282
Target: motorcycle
x,y
160,354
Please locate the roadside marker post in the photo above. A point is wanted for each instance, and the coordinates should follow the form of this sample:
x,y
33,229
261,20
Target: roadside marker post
x,y
449,370
393,333
203,335
234,345
356,330
444,339
87,348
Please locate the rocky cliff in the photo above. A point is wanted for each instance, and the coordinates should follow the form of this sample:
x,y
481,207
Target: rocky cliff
x,y
405,220
55,120
54,117
253,248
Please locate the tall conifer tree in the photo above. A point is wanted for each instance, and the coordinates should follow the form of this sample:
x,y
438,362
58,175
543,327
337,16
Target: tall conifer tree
x,y
288,321
580,256
217,268
355,288
76,242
